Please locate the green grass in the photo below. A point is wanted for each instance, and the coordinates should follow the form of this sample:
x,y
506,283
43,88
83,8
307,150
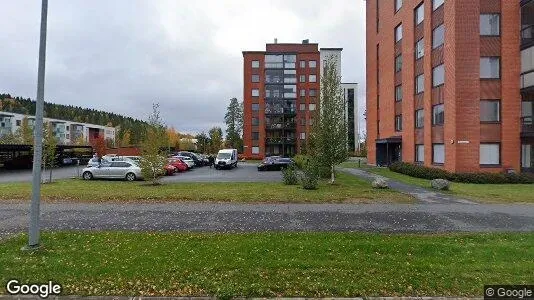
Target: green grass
x,y
347,189
488,193
271,264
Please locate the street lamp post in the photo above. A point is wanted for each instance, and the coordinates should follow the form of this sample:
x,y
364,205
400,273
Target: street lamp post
x,y
33,231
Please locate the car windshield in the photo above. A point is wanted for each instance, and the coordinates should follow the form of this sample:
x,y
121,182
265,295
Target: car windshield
x,y
224,155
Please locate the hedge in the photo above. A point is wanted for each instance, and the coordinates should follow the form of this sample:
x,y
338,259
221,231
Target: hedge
x,y
480,178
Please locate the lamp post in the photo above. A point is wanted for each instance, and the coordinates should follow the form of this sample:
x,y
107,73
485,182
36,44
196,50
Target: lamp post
x,y
33,231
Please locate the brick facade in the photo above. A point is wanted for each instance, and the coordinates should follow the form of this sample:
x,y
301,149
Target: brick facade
x,y
462,131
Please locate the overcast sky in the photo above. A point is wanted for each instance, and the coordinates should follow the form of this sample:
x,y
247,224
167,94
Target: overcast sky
x,y
122,55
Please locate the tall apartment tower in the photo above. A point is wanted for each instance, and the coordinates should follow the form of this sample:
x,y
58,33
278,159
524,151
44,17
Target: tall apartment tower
x,y
450,83
281,94
350,91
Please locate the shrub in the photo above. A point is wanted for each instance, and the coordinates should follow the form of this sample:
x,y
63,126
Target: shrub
x,y
310,175
301,161
479,178
290,176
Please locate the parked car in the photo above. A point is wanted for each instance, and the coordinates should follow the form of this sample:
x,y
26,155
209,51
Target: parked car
x,y
178,164
275,163
196,159
226,158
169,169
186,159
117,170
205,159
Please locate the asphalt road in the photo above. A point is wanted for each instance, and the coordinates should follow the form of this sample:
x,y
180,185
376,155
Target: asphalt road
x,y
226,217
245,172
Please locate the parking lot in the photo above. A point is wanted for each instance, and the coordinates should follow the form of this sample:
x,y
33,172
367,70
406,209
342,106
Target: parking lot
x,y
245,172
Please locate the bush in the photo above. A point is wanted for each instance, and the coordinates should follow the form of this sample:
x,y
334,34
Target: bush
x,y
290,176
301,161
479,178
309,178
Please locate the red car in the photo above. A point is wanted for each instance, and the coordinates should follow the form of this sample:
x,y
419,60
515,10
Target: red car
x,y
178,164
169,169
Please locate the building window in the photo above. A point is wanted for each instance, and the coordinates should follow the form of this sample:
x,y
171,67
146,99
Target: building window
x,y
302,106
490,67
310,121
398,33
255,150
490,154
438,154
398,123
420,153
438,114
313,78
490,24
255,107
303,122
419,14
255,78
302,78
438,76
490,111
398,93
419,118
302,64
303,93
255,93
313,93
437,3
303,135
255,136
312,107
420,49
398,63
398,5
255,64
527,156
438,36
420,83
312,64
18,122
255,122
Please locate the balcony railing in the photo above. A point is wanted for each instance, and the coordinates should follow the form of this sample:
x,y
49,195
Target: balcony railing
x,y
287,125
527,80
280,111
527,36
280,140
527,125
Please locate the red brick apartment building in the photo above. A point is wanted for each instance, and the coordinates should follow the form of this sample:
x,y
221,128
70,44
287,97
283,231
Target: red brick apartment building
x,y
281,92
450,83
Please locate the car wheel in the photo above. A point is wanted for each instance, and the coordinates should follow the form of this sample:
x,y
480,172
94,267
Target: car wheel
x,y
87,175
130,177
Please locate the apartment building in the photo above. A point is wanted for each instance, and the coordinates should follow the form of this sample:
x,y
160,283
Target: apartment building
x,y
350,92
449,83
66,132
281,96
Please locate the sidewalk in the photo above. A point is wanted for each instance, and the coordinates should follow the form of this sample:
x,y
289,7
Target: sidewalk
x,y
421,194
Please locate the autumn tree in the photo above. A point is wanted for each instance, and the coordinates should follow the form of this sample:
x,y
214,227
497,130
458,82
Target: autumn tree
x,y
99,146
216,139
329,135
24,133
49,149
153,157
125,141
203,142
173,138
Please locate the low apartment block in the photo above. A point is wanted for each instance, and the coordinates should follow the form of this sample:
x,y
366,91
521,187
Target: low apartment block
x,y
66,132
450,83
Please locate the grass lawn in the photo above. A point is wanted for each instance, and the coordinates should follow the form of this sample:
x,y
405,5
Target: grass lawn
x,y
271,264
347,189
489,193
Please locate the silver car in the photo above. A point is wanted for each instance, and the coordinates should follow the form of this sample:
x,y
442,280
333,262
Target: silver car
x,y
116,170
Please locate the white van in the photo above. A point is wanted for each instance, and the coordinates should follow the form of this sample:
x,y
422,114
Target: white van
x,y
226,158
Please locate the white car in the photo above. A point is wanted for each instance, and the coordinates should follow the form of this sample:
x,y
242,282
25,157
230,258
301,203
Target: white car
x,y
187,160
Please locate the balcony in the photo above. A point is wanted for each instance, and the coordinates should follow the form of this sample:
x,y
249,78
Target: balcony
x,y
527,127
280,126
280,140
280,111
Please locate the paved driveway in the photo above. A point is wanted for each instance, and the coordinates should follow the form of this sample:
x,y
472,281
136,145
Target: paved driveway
x,y
246,172
226,217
